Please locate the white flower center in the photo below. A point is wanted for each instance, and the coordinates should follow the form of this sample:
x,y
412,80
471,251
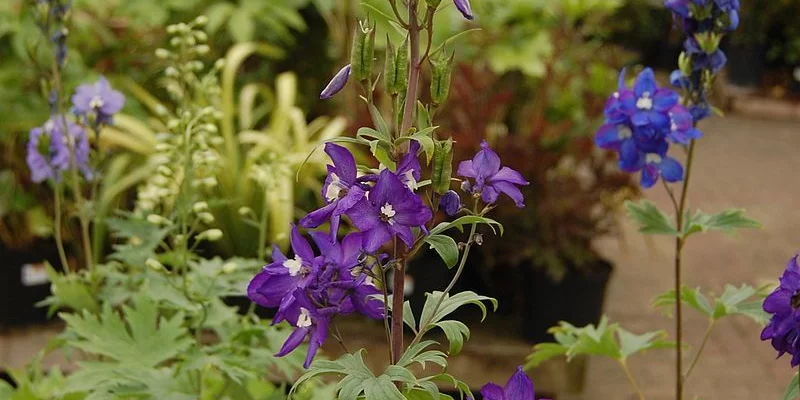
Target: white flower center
x,y
294,265
653,158
616,95
408,179
388,213
644,102
335,188
304,319
624,132
96,102
369,281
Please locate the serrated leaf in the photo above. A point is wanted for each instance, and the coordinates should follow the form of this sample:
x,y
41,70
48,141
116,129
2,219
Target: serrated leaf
x,y
446,247
141,239
727,221
449,305
467,220
744,300
462,387
650,219
456,332
418,354
381,388
543,352
367,134
630,343
692,297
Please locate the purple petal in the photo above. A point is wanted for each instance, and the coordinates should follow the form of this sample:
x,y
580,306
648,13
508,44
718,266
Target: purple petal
x,y
318,335
671,170
351,248
779,300
665,99
387,187
354,195
649,176
486,162
519,387
645,83
491,391
511,191
268,290
509,175
464,8
607,137
404,233
489,194
301,246
344,162
318,217
466,169
376,237
293,341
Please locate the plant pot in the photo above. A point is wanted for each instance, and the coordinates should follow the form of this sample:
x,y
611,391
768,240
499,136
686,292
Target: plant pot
x,y
25,283
577,299
746,66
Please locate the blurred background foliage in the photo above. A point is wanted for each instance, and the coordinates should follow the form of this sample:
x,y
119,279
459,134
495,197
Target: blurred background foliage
x,y
532,78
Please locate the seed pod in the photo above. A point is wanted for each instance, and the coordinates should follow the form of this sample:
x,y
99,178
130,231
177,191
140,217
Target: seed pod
x,y
402,67
442,165
390,68
441,69
363,51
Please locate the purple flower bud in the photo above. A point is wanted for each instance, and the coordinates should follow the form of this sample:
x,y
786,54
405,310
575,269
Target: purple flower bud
x,y
450,203
465,9
337,83
466,186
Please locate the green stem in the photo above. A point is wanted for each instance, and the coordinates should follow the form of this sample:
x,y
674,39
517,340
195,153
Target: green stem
x,y
706,336
262,229
385,290
632,380
679,243
57,231
413,70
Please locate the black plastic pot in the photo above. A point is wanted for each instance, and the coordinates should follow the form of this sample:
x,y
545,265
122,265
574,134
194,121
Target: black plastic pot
x,y
25,283
577,299
746,66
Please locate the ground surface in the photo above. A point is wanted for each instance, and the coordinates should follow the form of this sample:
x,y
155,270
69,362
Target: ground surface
x,y
741,162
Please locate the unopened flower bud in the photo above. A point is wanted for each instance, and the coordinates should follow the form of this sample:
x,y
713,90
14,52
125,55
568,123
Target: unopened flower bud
x,y
466,186
200,206
465,8
156,219
206,218
337,83
245,211
202,49
154,264
211,235
201,20
162,53
450,203
229,267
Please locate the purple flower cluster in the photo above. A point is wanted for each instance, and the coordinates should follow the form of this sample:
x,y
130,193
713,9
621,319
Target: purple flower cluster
x,y
55,147
783,303
309,290
639,124
704,22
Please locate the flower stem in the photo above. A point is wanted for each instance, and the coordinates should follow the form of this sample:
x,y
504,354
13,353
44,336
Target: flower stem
x,y
57,231
413,70
679,242
632,379
386,326
397,311
707,335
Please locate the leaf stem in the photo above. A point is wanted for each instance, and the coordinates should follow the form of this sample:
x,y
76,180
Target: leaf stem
x,y
386,326
706,336
632,379
57,230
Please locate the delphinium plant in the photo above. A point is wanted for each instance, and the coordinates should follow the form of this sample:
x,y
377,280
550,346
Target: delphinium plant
x,y
391,210
643,123
149,320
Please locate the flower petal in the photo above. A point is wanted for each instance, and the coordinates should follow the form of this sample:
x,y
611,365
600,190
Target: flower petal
x,y
519,387
344,162
645,83
293,341
671,170
301,246
376,237
466,169
486,162
511,191
491,391
509,175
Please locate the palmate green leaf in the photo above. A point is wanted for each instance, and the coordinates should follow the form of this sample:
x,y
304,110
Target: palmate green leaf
x,y
467,220
448,379
793,390
424,138
69,291
449,305
543,352
744,300
727,221
141,236
631,343
651,220
446,247
457,332
143,338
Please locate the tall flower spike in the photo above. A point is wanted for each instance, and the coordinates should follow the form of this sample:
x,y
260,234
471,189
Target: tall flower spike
x,y
490,178
98,99
337,83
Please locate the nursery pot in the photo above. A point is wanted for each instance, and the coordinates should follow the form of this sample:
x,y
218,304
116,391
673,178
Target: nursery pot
x,y
578,299
25,283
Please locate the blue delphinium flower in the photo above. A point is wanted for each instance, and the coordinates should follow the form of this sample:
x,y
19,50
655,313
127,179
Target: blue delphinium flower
x,y
52,150
783,303
518,387
97,100
450,203
342,190
639,124
390,210
490,178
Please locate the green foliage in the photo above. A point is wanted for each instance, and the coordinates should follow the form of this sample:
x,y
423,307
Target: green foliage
x,y
793,389
727,221
744,300
460,222
650,218
605,339
446,247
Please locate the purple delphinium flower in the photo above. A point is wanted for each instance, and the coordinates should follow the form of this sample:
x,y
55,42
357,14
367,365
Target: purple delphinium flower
x,y
337,83
783,303
490,178
639,124
341,190
450,203
464,8
408,169
308,321
51,150
391,209
518,387
98,100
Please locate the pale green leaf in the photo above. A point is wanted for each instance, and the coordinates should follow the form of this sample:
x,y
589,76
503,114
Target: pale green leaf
x,y
446,247
650,219
792,391
457,332
467,220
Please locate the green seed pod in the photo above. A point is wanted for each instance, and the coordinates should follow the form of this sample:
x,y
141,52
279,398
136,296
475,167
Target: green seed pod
x,y
402,67
442,165
363,51
441,69
390,68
